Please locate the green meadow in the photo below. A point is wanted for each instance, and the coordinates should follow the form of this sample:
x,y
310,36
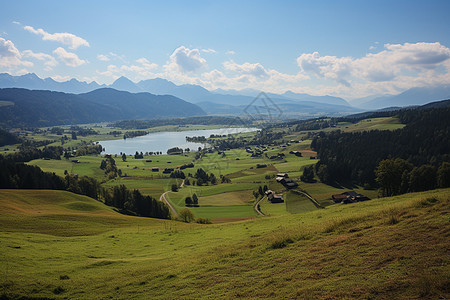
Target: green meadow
x,y
57,245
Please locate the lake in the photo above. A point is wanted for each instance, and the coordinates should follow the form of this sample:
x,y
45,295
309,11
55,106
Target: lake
x,y
162,141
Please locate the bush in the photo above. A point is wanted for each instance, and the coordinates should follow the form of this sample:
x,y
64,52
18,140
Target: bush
x,y
203,221
186,215
281,242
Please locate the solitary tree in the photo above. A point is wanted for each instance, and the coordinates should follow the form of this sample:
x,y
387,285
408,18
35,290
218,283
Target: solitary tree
x,y
188,201
195,200
308,174
186,215
124,157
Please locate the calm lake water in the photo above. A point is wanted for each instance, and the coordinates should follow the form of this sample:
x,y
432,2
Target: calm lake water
x,y
162,141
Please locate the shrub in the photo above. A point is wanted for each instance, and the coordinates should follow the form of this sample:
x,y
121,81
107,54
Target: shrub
x,y
203,221
186,215
281,242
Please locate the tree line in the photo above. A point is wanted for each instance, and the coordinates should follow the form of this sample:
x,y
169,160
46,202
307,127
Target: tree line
x,y
398,176
20,176
206,120
353,157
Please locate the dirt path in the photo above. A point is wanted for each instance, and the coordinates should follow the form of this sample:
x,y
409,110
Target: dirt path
x,y
163,198
256,207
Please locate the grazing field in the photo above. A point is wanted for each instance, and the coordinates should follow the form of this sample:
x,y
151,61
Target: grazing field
x,y
272,209
296,203
244,175
68,246
237,165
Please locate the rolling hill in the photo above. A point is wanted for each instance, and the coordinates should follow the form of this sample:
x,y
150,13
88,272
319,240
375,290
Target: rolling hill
x,y
45,108
59,245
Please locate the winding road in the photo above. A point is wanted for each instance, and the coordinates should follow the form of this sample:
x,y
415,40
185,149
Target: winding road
x,y
172,209
164,199
256,207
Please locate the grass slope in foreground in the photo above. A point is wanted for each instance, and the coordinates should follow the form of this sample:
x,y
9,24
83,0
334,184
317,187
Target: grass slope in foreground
x,y
68,246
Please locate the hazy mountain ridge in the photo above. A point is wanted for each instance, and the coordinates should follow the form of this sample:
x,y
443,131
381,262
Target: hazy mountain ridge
x,y
413,96
39,108
221,99
189,92
32,82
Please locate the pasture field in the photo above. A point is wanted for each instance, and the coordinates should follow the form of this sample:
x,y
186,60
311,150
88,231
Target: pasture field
x,y
236,164
273,209
244,175
68,246
296,203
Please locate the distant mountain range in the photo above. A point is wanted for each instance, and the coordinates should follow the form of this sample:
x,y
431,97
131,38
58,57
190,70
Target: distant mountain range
x,y
32,82
37,108
232,102
413,96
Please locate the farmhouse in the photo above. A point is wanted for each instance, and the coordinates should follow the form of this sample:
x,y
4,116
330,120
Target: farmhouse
x,y
274,198
348,197
284,179
290,184
296,153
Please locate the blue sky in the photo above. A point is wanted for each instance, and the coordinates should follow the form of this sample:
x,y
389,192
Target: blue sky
x,y
343,48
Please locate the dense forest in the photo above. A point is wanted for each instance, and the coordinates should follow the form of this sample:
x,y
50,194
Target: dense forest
x,y
353,157
203,120
7,138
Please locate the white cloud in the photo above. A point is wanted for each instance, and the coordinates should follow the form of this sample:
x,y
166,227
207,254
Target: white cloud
x,y
65,38
70,59
185,60
390,67
230,52
16,22
146,64
256,69
117,56
419,55
209,50
60,78
10,56
103,57
46,58
143,70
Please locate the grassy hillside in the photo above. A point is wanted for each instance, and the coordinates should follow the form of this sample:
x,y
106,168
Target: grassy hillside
x,y
60,213
69,246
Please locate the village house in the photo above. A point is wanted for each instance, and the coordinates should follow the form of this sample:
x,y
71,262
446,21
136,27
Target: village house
x,y
284,179
349,197
274,198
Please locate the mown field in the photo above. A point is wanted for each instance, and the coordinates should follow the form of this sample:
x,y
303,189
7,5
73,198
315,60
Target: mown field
x,y
57,245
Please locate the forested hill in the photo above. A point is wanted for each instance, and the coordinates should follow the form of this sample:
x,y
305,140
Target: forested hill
x,y
353,157
24,108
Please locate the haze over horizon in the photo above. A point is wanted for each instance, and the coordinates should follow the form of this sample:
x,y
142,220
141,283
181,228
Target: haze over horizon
x,y
348,49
